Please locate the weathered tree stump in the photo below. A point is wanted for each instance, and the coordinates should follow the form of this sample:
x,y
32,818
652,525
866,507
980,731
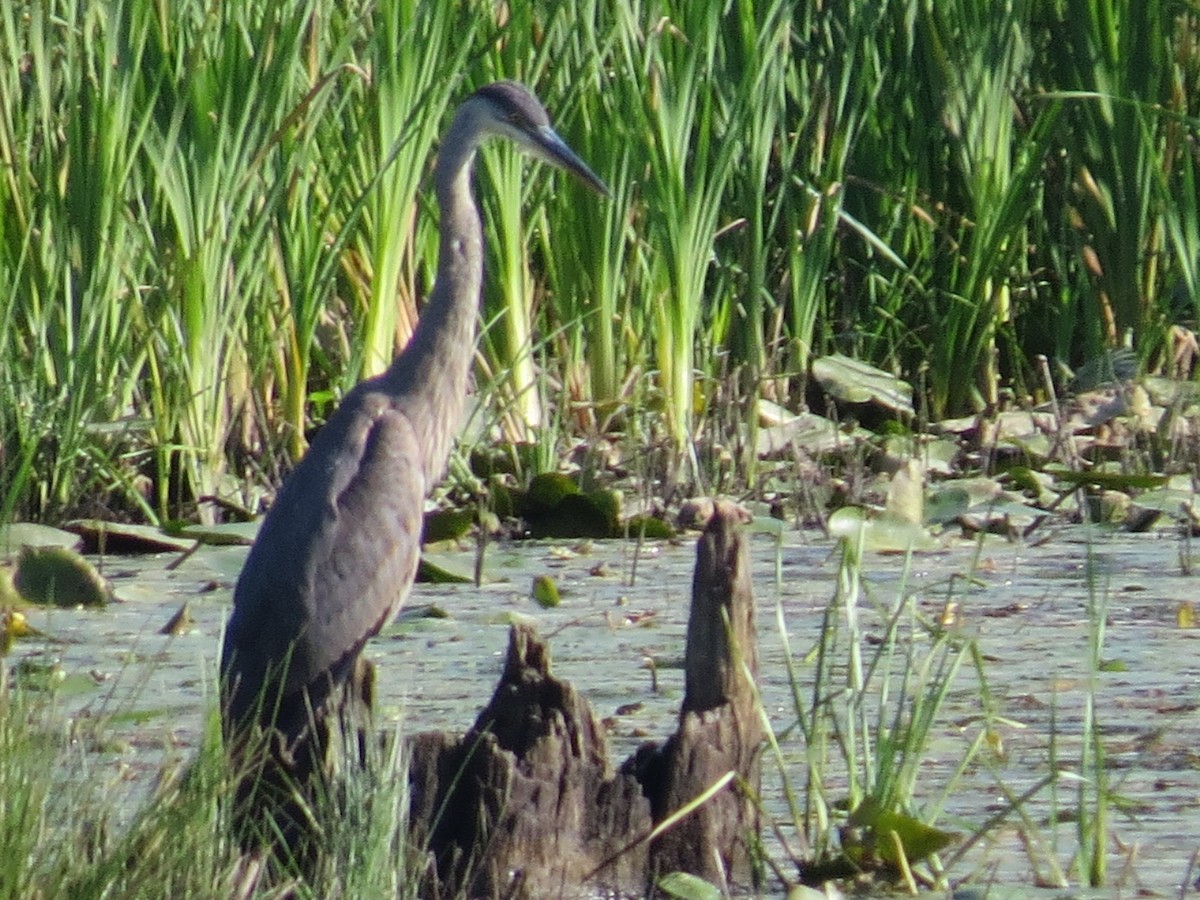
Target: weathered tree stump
x,y
719,726
526,803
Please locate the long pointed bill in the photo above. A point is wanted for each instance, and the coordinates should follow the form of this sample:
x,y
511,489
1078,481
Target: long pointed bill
x,y
555,151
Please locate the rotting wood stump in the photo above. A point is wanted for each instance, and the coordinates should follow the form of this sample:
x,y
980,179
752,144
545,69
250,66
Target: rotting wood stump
x,y
526,803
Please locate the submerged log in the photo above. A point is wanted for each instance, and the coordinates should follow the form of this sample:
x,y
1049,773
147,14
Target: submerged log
x,y
526,803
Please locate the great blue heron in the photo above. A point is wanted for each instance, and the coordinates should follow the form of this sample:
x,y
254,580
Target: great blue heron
x,y
337,552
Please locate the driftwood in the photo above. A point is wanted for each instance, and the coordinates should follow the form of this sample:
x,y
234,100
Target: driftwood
x,y
526,803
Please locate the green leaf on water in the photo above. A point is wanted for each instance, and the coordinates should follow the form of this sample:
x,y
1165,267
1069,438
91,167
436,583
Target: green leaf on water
x,y
685,886
59,577
446,525
229,534
946,505
880,533
440,572
1115,481
545,592
917,839
856,382
29,534
42,676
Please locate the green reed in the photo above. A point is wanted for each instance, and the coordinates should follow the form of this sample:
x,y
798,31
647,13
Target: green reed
x,y
214,220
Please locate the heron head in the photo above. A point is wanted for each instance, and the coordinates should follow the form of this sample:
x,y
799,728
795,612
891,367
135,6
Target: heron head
x,y
513,112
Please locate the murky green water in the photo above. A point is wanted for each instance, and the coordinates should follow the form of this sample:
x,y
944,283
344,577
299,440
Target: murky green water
x,y
1028,609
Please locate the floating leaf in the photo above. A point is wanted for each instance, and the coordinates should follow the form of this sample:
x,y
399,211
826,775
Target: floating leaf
x,y
1185,615
545,592
816,434
228,535
685,886
917,839
40,675
29,534
1116,481
446,525
856,382
946,505
882,533
1166,500
440,572
425,611
58,576
114,537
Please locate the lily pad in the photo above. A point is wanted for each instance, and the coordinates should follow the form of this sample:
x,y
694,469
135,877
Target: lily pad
x,y
685,886
37,674
442,570
852,381
116,537
227,535
816,435
29,534
59,577
881,533
917,839
446,525
946,505
1116,481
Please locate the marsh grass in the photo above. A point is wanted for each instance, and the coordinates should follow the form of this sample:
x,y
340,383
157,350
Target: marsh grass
x,y
65,837
214,221
864,716
869,715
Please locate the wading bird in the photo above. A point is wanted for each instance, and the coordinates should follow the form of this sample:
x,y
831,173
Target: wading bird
x,y
337,552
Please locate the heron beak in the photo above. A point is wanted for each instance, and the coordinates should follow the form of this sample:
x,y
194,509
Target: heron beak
x,y
555,151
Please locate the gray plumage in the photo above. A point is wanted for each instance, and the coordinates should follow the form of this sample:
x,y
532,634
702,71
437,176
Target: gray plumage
x,y
337,552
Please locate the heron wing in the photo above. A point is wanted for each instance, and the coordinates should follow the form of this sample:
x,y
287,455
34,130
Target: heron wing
x,y
336,554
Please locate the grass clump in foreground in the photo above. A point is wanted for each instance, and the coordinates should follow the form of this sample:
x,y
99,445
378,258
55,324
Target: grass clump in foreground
x,y
62,833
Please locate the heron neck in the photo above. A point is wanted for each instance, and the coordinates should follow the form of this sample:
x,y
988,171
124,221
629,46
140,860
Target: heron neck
x,y
429,378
